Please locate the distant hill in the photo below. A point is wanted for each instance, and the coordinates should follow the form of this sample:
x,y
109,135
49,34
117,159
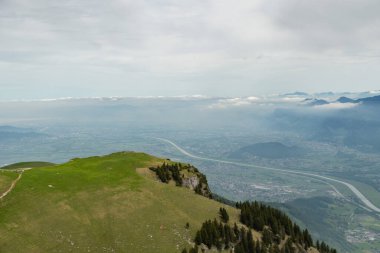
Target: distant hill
x,y
315,102
311,211
367,100
23,165
345,100
297,93
325,94
374,100
271,150
370,100
115,203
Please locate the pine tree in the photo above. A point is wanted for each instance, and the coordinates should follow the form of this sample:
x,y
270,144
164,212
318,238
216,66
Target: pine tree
x,y
251,243
198,238
223,215
194,250
267,237
258,247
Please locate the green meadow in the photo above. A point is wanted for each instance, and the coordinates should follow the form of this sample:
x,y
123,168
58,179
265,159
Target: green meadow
x,y
23,165
111,203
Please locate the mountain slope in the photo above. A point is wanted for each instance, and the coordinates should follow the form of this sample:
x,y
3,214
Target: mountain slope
x,y
101,204
344,100
370,100
23,165
130,202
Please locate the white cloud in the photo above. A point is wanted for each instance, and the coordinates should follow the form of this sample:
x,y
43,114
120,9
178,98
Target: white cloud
x,y
217,47
230,102
336,106
254,101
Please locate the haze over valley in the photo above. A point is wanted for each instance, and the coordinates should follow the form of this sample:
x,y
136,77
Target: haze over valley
x,y
281,149
248,126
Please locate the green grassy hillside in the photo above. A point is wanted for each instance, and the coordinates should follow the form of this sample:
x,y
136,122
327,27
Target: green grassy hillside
x,y
6,179
24,165
100,204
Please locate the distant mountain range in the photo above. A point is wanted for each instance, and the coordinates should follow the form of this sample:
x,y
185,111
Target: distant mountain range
x,y
345,100
374,100
134,202
369,100
315,102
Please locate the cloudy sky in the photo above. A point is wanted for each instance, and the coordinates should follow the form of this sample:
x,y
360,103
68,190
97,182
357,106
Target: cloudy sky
x,y
175,47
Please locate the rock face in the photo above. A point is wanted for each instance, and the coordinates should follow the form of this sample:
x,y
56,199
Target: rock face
x,y
183,175
191,182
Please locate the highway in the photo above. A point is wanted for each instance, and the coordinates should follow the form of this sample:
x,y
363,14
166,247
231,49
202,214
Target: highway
x,y
352,188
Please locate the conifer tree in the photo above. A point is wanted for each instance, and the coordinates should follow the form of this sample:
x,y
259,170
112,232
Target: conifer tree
x,y
223,215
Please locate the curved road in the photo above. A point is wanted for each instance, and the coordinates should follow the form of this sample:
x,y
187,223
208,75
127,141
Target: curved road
x,y
357,193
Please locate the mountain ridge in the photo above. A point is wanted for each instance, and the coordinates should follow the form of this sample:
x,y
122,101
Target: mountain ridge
x,y
114,203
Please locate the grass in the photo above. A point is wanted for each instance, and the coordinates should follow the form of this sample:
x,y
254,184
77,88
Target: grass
x,y
101,204
24,165
6,179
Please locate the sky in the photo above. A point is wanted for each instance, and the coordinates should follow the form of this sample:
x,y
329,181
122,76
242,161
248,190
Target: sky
x,y
84,48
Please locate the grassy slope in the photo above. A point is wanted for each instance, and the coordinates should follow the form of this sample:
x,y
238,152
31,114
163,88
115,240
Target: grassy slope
x,y
6,179
100,204
24,165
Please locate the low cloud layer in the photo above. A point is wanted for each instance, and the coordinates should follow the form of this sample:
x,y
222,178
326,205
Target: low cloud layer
x,y
211,47
336,106
226,103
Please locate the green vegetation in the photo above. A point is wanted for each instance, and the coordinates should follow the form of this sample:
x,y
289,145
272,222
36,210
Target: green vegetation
x,y
325,214
223,236
114,203
167,172
101,204
370,192
224,215
183,175
259,217
24,165
278,232
6,179
276,226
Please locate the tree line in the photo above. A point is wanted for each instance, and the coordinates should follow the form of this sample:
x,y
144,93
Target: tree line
x,y
175,171
275,226
278,233
167,172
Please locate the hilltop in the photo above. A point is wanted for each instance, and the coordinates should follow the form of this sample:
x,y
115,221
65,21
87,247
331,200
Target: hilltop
x,y
125,202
